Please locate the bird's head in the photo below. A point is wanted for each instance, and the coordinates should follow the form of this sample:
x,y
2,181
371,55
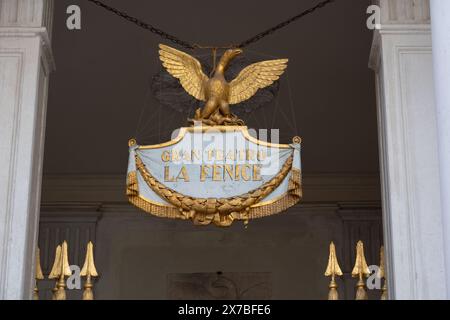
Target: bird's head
x,y
232,53
229,55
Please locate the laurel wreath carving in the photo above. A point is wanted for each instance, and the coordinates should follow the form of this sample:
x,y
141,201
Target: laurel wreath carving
x,y
220,210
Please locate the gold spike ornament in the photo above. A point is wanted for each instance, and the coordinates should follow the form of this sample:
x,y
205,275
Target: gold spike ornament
x,y
89,271
360,270
332,271
38,276
60,270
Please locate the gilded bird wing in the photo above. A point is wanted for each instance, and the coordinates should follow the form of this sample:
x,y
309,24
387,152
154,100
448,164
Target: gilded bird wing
x,y
256,76
185,68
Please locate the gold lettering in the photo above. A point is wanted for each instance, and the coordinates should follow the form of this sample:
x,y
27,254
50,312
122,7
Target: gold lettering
x,y
242,155
210,154
175,155
204,172
195,154
167,177
219,155
245,176
228,170
250,155
257,172
165,156
217,176
237,171
262,155
183,174
186,156
231,155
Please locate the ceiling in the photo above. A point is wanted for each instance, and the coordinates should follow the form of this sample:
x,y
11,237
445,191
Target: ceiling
x,y
100,95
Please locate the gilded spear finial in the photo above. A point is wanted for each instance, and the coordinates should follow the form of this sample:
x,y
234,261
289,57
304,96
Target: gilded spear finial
x,y
54,272
60,270
332,271
360,270
38,274
382,275
89,271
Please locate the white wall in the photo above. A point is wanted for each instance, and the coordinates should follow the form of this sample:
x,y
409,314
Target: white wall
x,y
25,64
402,61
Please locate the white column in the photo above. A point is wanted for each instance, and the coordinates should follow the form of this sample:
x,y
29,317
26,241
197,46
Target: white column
x,y
25,64
409,159
440,21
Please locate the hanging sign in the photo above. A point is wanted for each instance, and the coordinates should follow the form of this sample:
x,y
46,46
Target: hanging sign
x,y
215,171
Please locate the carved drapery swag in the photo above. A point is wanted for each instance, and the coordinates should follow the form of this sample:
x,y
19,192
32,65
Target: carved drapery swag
x,y
213,184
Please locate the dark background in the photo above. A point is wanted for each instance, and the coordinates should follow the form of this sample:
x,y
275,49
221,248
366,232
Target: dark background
x,y
100,91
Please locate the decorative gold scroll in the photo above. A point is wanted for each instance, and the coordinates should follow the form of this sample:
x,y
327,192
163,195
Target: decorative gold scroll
x,y
221,211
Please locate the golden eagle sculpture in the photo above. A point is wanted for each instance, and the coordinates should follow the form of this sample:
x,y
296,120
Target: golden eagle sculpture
x,y
217,93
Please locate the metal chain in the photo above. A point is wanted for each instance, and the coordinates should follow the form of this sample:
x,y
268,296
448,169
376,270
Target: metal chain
x,y
283,24
144,25
188,45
